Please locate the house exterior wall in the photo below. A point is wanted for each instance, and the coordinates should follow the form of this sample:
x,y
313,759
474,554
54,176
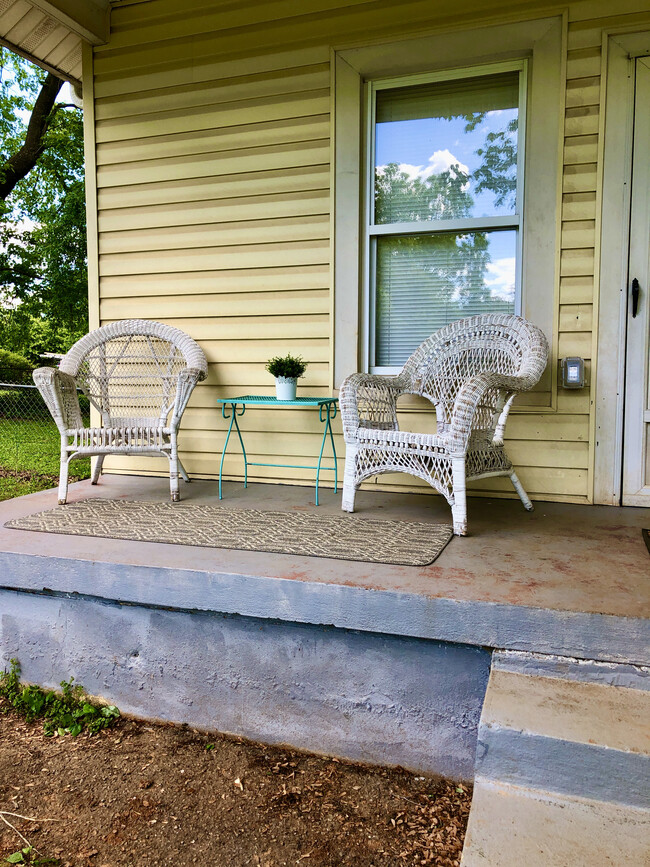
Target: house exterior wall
x,y
213,161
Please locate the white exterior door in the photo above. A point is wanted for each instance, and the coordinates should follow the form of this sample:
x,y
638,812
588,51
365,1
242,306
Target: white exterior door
x,y
636,443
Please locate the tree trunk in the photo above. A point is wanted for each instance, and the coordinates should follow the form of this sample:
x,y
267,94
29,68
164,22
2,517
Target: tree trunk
x,y
23,161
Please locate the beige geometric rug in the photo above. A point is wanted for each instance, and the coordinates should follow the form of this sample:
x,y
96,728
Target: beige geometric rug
x,y
403,543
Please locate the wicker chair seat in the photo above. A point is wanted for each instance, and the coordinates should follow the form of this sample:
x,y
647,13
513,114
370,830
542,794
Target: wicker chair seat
x,y
400,439
92,440
471,371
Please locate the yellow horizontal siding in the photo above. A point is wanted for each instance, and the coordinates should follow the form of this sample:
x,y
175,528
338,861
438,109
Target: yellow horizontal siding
x,y
308,177
284,131
579,177
213,151
264,109
195,36
239,308
197,283
579,206
577,289
583,92
300,204
213,258
210,93
256,159
577,260
307,227
577,263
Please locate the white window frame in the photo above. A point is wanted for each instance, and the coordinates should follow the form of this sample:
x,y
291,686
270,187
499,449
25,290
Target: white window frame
x,y
471,224
541,41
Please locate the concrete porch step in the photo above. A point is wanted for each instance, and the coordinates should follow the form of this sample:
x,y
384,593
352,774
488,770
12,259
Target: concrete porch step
x,y
563,765
512,826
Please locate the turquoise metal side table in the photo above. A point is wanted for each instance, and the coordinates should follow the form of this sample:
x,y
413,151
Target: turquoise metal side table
x,y
327,411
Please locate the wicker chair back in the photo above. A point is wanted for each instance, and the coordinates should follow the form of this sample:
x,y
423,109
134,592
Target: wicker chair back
x,y
444,362
129,371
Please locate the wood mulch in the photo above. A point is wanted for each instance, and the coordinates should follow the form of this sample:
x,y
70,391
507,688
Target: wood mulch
x,y
143,795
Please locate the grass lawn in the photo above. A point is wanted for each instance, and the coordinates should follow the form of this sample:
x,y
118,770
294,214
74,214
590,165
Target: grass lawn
x,y
29,457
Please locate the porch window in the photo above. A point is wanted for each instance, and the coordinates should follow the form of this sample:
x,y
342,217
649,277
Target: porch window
x,y
444,204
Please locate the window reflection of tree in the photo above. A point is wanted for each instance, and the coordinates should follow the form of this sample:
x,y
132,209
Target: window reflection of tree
x,y
448,268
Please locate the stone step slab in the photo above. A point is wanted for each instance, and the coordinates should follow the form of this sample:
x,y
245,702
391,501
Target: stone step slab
x,y
562,765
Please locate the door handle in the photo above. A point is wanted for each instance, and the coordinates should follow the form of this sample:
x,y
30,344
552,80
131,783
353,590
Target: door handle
x,y
635,297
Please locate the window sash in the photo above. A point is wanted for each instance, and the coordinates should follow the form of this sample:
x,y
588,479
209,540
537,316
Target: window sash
x,y
452,226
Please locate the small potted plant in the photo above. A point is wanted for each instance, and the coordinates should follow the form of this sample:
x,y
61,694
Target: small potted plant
x,y
286,371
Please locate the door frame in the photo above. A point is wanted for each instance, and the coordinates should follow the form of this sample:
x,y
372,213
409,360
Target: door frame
x,y
620,51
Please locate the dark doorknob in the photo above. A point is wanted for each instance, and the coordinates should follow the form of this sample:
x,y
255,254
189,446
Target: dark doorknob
x,y
635,297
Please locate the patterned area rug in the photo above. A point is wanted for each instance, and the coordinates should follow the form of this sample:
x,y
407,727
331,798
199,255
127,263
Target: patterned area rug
x,y
402,543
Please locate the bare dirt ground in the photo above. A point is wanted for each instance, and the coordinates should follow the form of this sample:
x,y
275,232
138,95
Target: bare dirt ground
x,y
146,795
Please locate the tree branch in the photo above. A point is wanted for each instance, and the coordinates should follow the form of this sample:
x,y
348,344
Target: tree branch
x,y
23,161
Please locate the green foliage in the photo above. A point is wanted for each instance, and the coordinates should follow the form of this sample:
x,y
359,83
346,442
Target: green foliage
x,y
31,336
289,366
402,199
449,263
61,160
14,360
43,270
29,855
67,712
448,266
498,171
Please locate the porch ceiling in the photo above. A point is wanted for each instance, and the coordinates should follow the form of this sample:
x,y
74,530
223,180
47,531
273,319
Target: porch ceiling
x,y
50,32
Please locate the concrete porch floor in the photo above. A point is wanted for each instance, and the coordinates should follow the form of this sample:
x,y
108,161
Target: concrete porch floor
x,y
564,579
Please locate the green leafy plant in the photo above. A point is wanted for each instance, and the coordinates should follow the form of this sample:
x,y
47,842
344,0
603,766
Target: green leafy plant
x,y
29,855
291,367
67,712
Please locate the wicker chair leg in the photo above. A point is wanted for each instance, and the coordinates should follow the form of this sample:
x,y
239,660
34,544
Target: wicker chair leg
x,y
349,486
519,488
63,479
98,470
173,471
182,471
459,508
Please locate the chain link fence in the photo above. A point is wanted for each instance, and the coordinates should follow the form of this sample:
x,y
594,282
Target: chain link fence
x,y
29,440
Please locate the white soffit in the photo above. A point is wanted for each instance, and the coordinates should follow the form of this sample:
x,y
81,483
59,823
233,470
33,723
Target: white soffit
x,y
50,32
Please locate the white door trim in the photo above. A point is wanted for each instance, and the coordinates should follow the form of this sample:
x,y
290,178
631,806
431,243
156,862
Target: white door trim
x,y
618,96
636,486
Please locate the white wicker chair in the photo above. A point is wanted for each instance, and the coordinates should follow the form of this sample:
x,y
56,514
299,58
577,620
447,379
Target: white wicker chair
x,y
471,371
136,373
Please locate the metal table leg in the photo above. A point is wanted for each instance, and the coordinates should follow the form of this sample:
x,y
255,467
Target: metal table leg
x,y
233,419
326,419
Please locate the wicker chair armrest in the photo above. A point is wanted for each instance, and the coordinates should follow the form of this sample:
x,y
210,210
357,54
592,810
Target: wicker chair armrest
x,y
469,398
369,401
187,379
59,391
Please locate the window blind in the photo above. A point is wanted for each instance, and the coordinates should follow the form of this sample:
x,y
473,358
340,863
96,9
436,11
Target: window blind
x,y
446,99
423,282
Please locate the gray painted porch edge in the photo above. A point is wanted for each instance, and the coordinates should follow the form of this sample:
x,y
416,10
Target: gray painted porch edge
x,y
578,634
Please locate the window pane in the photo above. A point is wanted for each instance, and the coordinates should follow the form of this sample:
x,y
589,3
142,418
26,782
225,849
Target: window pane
x,y
426,281
447,150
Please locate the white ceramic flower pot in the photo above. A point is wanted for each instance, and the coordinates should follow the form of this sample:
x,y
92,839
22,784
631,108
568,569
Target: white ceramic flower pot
x,y
285,387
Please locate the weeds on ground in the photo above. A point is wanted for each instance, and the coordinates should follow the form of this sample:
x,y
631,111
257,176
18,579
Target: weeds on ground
x,y
67,712
29,855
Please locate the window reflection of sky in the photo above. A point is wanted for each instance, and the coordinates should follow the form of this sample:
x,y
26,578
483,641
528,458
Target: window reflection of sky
x,y
427,144
431,145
